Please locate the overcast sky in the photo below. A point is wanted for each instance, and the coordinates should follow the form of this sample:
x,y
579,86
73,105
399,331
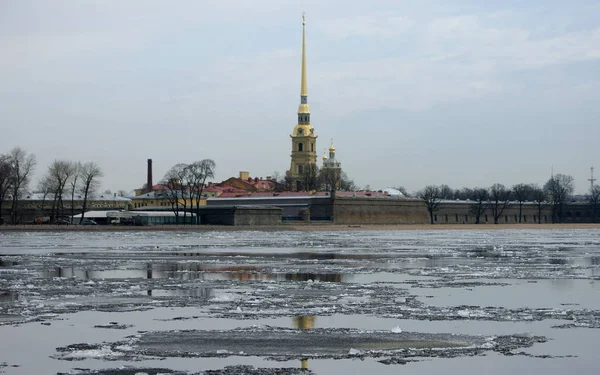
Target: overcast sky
x,y
466,93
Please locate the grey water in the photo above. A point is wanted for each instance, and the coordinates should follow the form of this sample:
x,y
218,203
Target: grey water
x,y
432,301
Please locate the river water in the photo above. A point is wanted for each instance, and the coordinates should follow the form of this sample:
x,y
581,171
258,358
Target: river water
x,y
329,302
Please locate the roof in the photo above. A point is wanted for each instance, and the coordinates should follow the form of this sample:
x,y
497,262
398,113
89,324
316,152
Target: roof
x,y
95,214
283,194
78,197
246,198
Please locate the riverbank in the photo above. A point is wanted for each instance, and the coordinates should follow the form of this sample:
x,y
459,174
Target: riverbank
x,y
289,227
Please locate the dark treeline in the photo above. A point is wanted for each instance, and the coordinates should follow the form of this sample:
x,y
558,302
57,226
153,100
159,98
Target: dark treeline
x,y
556,192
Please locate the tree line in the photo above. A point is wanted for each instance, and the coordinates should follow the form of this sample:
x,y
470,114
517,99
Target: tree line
x,y
314,178
63,178
555,193
16,168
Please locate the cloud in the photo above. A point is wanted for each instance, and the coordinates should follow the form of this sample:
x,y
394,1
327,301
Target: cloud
x,y
382,25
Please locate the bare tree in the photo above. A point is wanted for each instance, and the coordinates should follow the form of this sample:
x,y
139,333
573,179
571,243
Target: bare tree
x,y
432,196
346,183
330,179
73,184
197,174
60,172
559,187
481,198
521,193
499,200
463,194
121,193
287,183
5,179
282,183
21,167
90,173
46,188
310,177
594,200
446,192
174,182
538,195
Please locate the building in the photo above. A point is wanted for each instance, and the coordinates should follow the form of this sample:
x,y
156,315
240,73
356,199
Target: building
x,y
304,138
39,207
331,162
331,172
249,184
164,198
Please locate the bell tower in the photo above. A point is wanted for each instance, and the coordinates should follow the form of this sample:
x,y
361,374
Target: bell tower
x,y
304,139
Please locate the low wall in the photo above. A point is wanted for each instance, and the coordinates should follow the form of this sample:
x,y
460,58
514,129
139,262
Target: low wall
x,y
379,211
257,215
246,215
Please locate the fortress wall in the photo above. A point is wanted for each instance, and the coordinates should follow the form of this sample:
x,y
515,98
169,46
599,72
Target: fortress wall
x,y
257,216
379,211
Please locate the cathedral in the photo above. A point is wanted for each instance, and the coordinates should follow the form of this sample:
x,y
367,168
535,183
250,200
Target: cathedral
x,y
304,138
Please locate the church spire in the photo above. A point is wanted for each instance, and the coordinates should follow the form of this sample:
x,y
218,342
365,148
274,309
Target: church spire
x,y
304,139
303,88
303,109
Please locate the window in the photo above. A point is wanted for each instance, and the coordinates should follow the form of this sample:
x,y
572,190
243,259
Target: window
x,y
534,219
300,168
457,218
486,218
506,218
435,218
466,218
300,146
446,218
525,218
516,219
312,147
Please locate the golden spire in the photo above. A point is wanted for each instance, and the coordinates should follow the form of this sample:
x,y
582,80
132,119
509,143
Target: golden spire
x,y
303,88
303,108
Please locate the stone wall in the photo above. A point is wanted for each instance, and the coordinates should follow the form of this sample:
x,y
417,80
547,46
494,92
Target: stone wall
x,y
257,216
246,215
460,213
217,216
379,211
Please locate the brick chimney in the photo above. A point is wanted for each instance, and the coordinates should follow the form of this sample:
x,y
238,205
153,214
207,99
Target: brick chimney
x,y
149,182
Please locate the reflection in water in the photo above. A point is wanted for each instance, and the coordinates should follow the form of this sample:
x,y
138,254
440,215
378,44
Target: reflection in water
x,y
304,322
324,277
7,263
190,293
8,296
558,261
189,271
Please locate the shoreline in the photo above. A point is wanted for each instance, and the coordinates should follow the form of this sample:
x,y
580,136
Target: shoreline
x,y
291,227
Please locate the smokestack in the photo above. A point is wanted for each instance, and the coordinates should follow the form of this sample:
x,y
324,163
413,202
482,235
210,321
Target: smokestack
x,y
149,182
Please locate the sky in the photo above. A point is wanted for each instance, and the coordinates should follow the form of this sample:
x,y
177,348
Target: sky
x,y
464,93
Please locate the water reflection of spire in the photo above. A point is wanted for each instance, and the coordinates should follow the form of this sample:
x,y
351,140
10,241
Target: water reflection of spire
x,y
304,322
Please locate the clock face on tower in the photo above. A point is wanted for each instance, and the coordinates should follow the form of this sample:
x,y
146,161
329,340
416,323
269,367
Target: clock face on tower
x,y
300,131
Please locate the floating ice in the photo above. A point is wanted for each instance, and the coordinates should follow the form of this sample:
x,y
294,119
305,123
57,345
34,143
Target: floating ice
x,y
397,329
